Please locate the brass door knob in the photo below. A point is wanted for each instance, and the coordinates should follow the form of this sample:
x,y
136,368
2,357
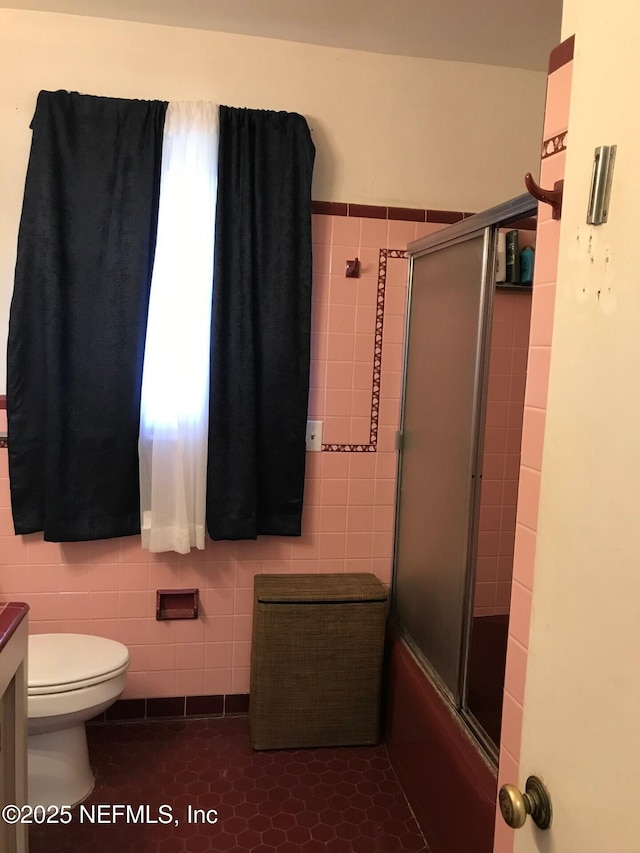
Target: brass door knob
x,y
515,806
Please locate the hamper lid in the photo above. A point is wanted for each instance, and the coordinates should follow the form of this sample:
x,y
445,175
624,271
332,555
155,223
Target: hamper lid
x,y
311,589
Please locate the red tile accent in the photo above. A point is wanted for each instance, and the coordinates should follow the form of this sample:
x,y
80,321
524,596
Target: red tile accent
x,y
204,706
127,709
170,706
369,211
385,254
407,214
333,208
375,211
326,800
238,704
562,54
448,217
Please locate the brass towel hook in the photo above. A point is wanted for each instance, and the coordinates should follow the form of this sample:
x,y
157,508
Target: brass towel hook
x,y
552,197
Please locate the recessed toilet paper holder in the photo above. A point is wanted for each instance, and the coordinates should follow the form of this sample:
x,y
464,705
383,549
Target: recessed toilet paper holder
x,y
177,604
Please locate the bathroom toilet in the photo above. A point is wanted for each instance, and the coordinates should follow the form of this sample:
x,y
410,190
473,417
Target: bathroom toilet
x,y
72,678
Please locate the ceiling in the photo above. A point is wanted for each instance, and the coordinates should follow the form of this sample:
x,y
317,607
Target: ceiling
x,y
515,33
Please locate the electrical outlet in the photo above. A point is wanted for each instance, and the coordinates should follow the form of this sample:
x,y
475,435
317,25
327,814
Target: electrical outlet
x,y
314,435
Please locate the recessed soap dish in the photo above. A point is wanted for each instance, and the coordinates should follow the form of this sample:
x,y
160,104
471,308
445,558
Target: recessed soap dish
x,y
177,603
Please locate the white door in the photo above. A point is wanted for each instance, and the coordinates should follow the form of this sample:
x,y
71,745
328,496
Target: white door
x,y
581,730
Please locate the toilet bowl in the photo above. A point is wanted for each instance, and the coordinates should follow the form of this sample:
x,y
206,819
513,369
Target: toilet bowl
x,y
72,678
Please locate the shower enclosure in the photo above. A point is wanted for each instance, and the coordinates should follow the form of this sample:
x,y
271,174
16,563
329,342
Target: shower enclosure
x,y
465,363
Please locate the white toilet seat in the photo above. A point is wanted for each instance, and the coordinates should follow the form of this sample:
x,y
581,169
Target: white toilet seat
x,y
59,663
76,685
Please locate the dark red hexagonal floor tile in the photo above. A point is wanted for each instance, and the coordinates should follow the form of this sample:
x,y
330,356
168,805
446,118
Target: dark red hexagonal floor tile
x,y
324,832
313,847
292,806
235,825
347,830
283,821
308,819
326,800
247,810
274,837
331,817
299,834
249,839
260,823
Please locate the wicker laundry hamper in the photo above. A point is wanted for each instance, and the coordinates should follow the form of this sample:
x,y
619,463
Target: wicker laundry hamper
x,y
316,660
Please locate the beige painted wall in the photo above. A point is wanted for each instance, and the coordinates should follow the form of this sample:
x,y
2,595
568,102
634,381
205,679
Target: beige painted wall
x,y
388,130
582,693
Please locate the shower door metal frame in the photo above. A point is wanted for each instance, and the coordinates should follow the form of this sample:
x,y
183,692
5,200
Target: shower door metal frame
x,y
486,223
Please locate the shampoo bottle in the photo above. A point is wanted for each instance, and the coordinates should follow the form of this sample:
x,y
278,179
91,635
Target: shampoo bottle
x,y
526,265
513,257
501,258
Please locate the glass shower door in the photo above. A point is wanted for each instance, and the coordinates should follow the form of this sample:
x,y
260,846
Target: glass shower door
x,y
438,467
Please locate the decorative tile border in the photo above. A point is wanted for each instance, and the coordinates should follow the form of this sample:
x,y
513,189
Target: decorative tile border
x,y
374,211
554,145
405,214
126,710
372,446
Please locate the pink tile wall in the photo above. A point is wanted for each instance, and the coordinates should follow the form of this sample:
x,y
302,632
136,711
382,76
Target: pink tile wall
x,y
501,458
108,587
552,169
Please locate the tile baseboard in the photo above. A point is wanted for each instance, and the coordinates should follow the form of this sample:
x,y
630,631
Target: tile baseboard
x,y
131,710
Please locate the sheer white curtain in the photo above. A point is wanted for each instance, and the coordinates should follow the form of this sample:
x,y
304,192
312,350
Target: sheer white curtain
x,y
175,379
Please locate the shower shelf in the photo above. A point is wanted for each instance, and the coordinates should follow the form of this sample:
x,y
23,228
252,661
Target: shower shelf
x,y
514,288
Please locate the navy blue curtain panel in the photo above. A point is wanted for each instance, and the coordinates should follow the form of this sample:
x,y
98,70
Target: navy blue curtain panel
x,y
260,325
78,315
